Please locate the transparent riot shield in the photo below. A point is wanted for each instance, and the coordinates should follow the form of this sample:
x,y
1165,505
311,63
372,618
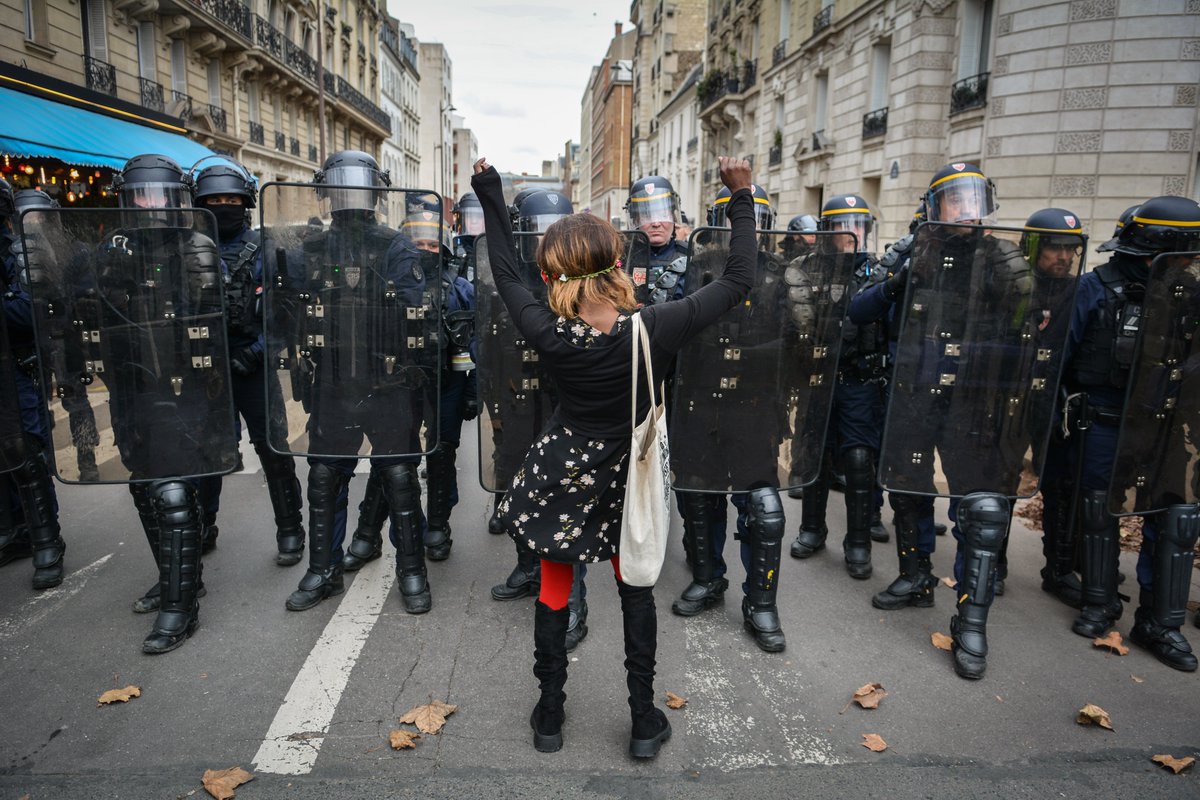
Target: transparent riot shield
x,y
1156,463
753,390
13,451
351,312
978,360
636,262
516,396
129,315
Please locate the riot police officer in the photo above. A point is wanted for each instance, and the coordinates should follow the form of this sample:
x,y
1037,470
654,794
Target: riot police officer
x,y
468,224
29,501
229,193
1123,220
653,208
801,236
857,418
1103,337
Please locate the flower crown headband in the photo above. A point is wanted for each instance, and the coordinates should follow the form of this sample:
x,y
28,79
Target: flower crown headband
x,y
549,276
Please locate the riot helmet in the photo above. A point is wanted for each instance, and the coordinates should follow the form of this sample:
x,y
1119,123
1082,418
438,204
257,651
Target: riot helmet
x,y
470,215
1165,224
960,192
152,181
514,210
1051,242
764,215
919,216
651,200
805,223
348,181
849,213
28,202
7,204
1122,221
801,236
226,181
537,212
424,228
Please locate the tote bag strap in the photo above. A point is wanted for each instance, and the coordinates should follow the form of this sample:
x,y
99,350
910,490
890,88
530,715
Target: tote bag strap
x,y
641,338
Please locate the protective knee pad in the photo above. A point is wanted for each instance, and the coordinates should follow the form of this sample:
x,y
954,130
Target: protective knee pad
x,y
766,515
175,503
276,466
1101,549
178,515
373,510
765,525
1174,552
402,491
983,519
697,529
859,463
325,485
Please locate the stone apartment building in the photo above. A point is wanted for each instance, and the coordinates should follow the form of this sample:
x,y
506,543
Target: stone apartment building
x,y
609,137
239,78
1086,104
436,137
400,97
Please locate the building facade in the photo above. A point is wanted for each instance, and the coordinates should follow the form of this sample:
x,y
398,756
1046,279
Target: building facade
x,y
436,137
612,127
677,146
399,96
466,153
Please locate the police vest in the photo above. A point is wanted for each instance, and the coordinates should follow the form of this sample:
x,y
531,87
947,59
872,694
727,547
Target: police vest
x,y
1107,346
242,289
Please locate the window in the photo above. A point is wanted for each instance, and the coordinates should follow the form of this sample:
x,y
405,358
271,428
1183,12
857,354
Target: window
x,y
214,82
145,51
820,102
252,102
785,19
179,82
35,22
779,113
881,59
976,38
95,29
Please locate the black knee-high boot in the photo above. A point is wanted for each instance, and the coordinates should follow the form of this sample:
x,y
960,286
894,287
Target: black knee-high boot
x,y
550,668
650,725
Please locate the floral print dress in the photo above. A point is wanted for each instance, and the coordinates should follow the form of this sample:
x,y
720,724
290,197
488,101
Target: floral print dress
x,y
565,502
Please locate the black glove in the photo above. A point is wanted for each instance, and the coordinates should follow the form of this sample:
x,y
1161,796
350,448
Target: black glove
x,y
893,287
245,361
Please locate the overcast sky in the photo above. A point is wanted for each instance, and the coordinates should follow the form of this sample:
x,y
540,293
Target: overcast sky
x,y
518,69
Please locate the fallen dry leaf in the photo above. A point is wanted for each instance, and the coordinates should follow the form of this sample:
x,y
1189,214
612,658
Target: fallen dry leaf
x,y
1094,715
24,797
430,717
119,695
941,641
1136,679
999,699
401,740
874,742
869,696
221,783
675,701
949,581
1113,642
1176,765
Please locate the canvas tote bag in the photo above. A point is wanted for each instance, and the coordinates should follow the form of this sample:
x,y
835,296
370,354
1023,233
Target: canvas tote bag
x,y
646,516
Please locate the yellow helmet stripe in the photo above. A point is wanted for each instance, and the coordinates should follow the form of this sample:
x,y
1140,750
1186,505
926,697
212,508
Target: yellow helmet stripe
x,y
957,175
649,198
1170,223
846,211
1055,230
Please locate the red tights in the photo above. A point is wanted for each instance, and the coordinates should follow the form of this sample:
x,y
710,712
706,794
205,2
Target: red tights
x,y
557,579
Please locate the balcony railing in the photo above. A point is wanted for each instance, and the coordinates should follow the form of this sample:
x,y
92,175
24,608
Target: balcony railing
x,y
268,37
875,123
298,60
749,74
775,155
294,146
181,105
101,76
969,93
823,19
360,102
312,153
693,143
330,83
779,53
217,114
280,142
233,13
256,133
152,95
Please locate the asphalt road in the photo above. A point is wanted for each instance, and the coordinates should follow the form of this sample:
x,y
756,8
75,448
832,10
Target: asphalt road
x,y
306,700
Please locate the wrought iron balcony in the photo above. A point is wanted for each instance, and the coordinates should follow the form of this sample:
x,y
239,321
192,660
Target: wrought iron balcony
x,y
280,142
294,146
779,53
152,95
749,74
268,37
875,123
217,115
693,143
312,153
360,102
101,76
301,62
181,105
330,83
823,19
256,133
969,93
775,155
234,14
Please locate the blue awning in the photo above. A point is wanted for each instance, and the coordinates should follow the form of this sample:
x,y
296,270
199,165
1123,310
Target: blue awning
x,y
36,127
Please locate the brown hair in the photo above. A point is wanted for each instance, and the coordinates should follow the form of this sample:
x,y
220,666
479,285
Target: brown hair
x,y
578,245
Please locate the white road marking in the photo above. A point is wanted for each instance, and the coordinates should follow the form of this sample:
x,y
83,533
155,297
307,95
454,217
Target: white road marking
x,y
722,718
45,603
295,736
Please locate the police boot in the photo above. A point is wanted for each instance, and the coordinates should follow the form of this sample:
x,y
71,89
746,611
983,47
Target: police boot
x,y
179,566
284,489
1101,551
878,532
759,613
811,539
15,546
323,578
367,542
441,480
494,526
36,490
1058,548
577,629
650,725
550,668
525,579
983,519
916,582
705,590
402,492
860,503
1162,611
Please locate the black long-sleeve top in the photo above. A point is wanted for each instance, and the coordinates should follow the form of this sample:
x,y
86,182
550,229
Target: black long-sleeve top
x,y
593,382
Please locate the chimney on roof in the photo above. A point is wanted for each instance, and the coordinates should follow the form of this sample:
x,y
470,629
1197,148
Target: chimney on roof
x,y
618,26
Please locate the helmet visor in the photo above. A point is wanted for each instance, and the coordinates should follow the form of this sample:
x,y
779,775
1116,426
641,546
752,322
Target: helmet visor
x,y
154,195
1056,256
861,225
538,223
645,210
968,197
470,221
341,193
423,228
